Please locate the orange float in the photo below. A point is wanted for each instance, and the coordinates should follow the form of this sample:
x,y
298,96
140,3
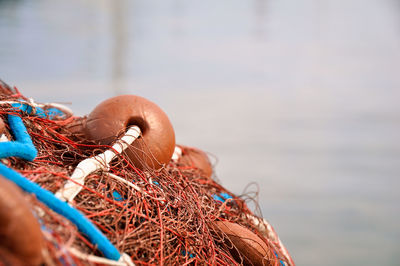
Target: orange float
x,y
111,118
2,127
195,158
246,246
20,234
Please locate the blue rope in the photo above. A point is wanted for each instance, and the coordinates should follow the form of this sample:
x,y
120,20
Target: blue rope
x,y
24,148
218,198
53,112
222,197
281,262
225,195
39,112
60,207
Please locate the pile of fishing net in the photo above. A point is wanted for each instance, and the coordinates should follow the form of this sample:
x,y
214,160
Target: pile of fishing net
x,y
113,188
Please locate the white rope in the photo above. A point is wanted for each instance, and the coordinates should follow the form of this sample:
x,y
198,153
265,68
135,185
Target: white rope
x,y
98,162
9,102
125,260
66,110
3,138
126,182
33,104
177,154
132,185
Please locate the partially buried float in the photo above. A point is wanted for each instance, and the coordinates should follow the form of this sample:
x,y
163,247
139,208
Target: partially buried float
x,y
113,188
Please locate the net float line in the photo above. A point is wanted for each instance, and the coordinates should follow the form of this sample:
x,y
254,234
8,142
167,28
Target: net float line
x,y
98,162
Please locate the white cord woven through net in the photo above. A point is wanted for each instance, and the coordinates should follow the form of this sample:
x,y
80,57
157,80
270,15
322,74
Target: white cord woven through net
x,y
98,162
125,260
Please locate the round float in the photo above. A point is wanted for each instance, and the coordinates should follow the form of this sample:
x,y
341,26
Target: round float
x,y
111,118
20,233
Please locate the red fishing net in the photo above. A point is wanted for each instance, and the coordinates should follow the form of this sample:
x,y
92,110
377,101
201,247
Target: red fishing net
x,y
165,216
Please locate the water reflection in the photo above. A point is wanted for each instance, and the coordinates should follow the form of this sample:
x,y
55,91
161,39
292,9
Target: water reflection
x,y
119,46
260,18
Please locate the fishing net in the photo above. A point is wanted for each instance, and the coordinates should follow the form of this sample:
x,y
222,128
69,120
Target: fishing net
x,y
165,216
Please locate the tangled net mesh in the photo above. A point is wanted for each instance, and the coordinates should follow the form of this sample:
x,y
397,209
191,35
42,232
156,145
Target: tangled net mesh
x,y
163,216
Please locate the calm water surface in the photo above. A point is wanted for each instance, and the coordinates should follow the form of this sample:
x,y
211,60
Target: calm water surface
x,y
301,97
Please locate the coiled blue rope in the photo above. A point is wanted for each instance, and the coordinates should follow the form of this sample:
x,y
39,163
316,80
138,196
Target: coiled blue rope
x,y
24,148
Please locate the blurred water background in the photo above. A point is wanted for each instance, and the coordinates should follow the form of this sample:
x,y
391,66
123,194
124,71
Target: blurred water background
x,y
301,97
